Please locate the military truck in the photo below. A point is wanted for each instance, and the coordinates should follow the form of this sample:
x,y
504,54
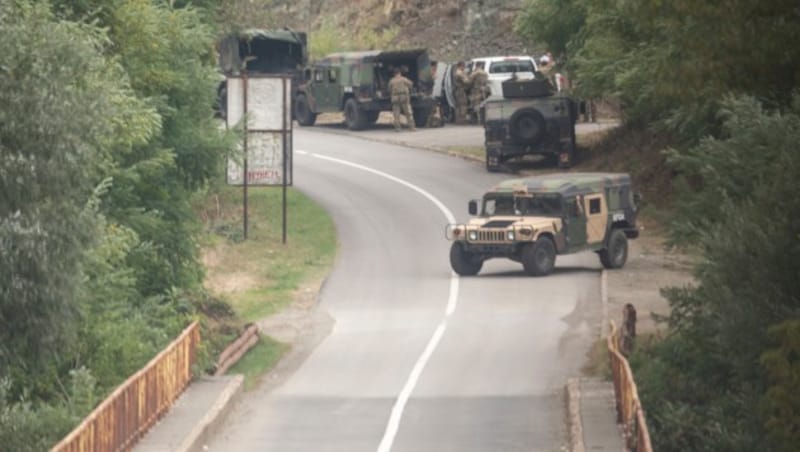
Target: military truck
x,y
260,52
531,119
531,220
357,83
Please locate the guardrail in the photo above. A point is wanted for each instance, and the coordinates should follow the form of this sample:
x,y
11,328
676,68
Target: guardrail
x,y
136,405
629,410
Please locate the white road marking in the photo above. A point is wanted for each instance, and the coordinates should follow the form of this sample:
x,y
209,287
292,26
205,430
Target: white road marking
x,y
452,300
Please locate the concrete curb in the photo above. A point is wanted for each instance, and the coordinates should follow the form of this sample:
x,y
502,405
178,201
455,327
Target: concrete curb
x,y
573,394
204,430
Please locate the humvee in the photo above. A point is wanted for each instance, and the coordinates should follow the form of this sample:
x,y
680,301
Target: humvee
x,y
531,220
357,83
530,118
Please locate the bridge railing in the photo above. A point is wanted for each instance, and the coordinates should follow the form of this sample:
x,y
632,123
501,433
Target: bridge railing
x,y
630,414
139,402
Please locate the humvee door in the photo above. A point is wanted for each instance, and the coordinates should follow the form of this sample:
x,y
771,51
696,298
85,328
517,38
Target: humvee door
x,y
596,217
325,89
576,224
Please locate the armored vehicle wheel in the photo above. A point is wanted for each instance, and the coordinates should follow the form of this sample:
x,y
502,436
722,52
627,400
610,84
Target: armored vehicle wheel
x,y
354,117
539,257
616,253
463,262
302,111
421,116
372,116
493,164
526,126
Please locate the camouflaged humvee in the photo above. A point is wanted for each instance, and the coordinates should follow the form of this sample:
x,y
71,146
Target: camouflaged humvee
x,y
531,118
357,83
531,220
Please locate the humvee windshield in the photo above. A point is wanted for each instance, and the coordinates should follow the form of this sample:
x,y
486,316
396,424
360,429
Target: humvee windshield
x,y
547,205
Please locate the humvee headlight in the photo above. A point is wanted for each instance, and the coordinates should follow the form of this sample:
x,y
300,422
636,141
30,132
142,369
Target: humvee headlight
x,y
525,232
473,235
456,231
511,236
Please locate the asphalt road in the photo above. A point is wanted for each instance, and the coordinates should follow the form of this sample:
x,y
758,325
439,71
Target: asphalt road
x,y
418,359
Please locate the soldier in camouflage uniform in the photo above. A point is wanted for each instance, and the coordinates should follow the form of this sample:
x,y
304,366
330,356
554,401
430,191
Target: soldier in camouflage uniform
x,y
479,90
400,90
461,89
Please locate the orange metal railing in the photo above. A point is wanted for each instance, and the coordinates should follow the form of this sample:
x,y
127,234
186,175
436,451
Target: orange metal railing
x,y
136,405
629,410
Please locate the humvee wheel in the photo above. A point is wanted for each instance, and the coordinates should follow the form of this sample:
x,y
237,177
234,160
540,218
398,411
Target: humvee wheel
x,y
302,111
463,262
420,116
539,257
372,116
354,117
491,164
616,254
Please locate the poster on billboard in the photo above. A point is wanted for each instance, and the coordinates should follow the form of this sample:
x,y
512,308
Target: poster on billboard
x,y
265,152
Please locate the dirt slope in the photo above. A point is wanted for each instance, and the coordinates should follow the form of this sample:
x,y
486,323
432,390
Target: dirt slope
x,y
451,29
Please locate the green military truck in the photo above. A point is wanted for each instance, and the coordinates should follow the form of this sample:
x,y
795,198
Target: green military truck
x,y
531,220
357,83
259,52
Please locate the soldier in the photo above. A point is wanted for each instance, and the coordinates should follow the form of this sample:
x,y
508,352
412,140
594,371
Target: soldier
x,y
400,90
479,90
461,82
435,115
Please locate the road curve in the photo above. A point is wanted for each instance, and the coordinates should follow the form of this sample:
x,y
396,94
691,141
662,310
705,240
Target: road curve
x,y
418,359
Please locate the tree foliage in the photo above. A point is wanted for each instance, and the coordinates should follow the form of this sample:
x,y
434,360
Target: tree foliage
x,y
106,134
672,62
712,384
59,97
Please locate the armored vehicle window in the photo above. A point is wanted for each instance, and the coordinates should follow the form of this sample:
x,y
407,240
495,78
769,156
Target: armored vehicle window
x,y
594,206
333,75
573,208
319,75
499,205
540,205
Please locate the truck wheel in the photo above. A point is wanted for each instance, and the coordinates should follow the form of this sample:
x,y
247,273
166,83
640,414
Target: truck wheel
x,y
616,253
539,257
302,111
526,126
372,116
354,117
493,164
421,116
463,262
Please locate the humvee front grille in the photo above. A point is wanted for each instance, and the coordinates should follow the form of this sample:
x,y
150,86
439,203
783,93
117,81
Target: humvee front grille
x,y
491,235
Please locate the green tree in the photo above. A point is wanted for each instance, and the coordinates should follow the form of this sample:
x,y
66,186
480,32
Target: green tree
x,y
59,101
554,25
671,63
704,384
168,57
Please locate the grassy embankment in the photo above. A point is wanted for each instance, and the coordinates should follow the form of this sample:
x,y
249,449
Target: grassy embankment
x,y
261,276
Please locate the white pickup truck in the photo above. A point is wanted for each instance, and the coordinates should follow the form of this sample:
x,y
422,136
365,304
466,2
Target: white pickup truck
x,y
501,68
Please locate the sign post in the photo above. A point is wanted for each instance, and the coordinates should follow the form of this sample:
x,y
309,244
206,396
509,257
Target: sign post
x,y
263,103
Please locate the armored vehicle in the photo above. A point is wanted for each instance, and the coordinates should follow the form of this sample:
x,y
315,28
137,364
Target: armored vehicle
x,y
531,220
260,52
531,118
357,83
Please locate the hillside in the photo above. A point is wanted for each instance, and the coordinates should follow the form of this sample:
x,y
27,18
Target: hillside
x,y
451,29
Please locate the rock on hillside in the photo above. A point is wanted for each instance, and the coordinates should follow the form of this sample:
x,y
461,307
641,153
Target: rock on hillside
x,y
451,29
